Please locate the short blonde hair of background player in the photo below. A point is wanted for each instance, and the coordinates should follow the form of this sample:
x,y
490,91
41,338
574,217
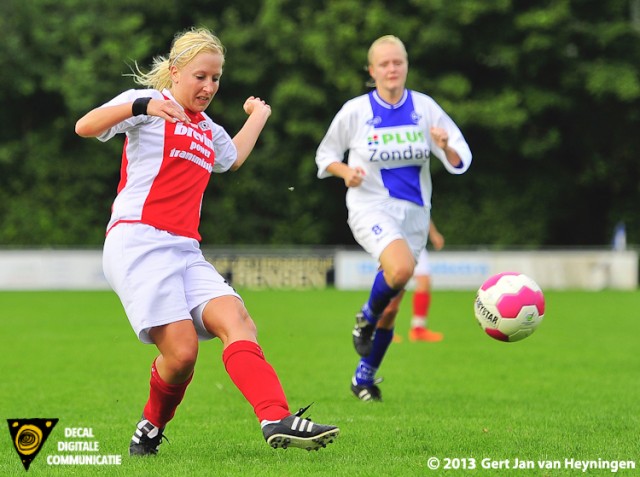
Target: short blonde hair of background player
x,y
386,39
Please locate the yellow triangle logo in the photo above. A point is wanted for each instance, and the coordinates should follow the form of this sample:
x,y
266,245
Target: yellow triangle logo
x,y
28,437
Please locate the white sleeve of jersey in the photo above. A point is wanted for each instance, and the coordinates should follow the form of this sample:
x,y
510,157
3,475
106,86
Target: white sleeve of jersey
x,y
335,142
439,118
128,97
225,149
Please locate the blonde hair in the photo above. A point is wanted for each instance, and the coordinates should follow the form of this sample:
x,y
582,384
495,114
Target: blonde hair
x,y
184,48
386,39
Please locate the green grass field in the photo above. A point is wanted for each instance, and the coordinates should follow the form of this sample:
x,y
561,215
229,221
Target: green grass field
x,y
570,391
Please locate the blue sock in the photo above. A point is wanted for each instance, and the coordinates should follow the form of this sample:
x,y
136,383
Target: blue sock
x,y
367,367
381,295
381,341
365,374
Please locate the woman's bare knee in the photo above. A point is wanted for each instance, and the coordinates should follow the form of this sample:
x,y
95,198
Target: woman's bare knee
x,y
398,264
182,359
228,319
399,277
178,346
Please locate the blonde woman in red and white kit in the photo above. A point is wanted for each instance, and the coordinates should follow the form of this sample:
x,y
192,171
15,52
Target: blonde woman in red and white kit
x,y
152,259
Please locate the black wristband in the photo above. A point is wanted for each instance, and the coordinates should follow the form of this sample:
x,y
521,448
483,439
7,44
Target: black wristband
x,y
140,106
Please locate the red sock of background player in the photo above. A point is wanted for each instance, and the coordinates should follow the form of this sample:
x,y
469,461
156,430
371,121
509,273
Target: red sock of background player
x,y
163,398
421,302
256,380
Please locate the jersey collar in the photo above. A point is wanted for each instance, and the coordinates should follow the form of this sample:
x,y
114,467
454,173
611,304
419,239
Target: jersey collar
x,y
386,105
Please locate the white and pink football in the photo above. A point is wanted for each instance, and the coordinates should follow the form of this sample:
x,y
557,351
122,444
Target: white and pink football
x,y
509,306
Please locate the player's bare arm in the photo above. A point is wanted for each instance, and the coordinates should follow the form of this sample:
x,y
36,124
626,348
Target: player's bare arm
x,y
98,120
259,112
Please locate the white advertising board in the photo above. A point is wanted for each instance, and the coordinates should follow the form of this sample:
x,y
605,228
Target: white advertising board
x,y
590,270
52,270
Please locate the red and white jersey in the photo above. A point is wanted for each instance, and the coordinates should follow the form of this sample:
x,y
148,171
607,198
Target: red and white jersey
x,y
166,167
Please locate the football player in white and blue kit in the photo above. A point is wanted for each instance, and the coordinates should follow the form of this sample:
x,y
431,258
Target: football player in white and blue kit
x,y
390,134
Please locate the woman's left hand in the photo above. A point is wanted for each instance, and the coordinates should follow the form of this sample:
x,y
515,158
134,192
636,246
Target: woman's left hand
x,y
254,105
440,137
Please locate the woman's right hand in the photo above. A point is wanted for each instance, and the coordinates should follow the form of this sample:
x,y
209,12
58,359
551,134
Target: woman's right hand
x,y
167,110
354,176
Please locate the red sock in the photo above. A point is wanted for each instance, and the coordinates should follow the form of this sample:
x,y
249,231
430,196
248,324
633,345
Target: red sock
x,y
163,398
256,380
421,302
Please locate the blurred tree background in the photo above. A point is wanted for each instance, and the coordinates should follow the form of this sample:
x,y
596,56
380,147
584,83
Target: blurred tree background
x,y
547,94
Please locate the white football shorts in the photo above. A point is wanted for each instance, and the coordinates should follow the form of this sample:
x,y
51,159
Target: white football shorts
x,y
377,227
160,277
423,268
